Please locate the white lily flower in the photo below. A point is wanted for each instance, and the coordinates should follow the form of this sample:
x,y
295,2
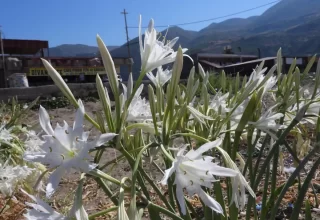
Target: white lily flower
x,y
236,114
155,53
65,147
269,84
192,171
11,176
161,78
256,77
5,134
139,109
41,210
33,142
219,100
267,122
314,108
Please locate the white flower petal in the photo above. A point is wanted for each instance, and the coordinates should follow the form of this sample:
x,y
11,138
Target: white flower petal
x,y
45,121
180,197
104,138
54,180
78,123
167,174
204,148
210,202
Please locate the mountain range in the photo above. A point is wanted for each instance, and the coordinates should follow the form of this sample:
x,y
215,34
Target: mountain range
x,y
75,50
293,25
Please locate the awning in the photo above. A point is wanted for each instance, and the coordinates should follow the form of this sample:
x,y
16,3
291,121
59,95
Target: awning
x,y
211,64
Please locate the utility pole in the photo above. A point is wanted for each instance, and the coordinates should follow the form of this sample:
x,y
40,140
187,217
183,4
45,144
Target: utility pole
x,y
125,21
239,48
3,62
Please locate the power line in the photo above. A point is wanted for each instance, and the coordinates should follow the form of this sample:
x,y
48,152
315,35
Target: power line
x,y
216,18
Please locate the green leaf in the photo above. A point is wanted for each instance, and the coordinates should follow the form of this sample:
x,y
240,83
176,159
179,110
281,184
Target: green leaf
x,y
317,81
57,79
153,107
78,208
129,86
158,208
246,116
198,115
149,128
310,64
307,211
101,122
297,84
279,64
122,214
103,212
304,189
109,66
292,66
132,209
190,85
100,174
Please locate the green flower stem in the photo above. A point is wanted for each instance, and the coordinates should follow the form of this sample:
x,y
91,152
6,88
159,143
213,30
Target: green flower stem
x,y
172,196
195,214
265,195
219,198
250,152
103,212
293,176
100,174
294,122
158,208
93,122
107,190
150,181
157,167
191,135
143,186
165,152
264,144
275,167
118,158
134,177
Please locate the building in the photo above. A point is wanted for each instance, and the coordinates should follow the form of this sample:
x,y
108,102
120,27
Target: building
x,y
232,64
23,56
245,68
21,48
213,62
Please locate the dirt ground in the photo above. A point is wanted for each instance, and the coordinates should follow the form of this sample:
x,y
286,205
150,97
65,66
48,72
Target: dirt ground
x,y
94,198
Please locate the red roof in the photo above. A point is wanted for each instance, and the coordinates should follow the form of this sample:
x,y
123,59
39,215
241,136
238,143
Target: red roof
x,y
15,46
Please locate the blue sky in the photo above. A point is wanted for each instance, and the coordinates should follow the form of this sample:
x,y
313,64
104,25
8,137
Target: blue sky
x,y
78,21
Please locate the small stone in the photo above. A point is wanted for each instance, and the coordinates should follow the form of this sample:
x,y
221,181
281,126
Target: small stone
x,y
258,207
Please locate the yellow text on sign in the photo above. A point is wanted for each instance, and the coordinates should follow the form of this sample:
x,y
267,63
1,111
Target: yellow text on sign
x,y
70,71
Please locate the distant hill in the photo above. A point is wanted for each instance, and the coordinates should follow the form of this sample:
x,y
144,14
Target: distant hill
x,y
293,25
289,9
71,50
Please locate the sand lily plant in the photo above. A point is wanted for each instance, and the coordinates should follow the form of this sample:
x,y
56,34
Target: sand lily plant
x,y
201,144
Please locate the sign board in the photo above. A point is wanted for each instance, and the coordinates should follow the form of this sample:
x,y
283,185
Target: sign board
x,y
70,71
299,61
